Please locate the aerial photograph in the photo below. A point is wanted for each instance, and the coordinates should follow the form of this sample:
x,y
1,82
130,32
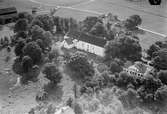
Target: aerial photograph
x,y
83,56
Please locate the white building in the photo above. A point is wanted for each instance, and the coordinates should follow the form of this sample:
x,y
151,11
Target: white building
x,y
85,42
139,69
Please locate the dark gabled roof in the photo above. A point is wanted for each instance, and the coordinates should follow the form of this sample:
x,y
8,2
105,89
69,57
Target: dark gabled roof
x,y
8,16
8,11
98,41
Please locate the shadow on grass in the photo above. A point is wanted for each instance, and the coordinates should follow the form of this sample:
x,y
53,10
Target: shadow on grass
x,y
74,76
54,93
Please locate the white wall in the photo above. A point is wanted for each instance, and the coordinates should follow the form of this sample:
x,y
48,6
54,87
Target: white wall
x,y
85,47
89,48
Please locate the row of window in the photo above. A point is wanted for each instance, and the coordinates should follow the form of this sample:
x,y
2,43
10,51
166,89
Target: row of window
x,y
133,73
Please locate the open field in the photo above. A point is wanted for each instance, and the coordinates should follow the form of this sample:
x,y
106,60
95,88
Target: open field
x,y
154,18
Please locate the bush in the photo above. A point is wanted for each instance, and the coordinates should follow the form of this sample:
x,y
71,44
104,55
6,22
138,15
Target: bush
x,y
52,73
33,50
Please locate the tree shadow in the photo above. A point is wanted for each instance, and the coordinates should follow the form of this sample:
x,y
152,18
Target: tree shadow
x,y
54,93
73,75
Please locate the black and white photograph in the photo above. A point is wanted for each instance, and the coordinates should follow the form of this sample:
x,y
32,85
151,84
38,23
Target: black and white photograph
x,y
83,56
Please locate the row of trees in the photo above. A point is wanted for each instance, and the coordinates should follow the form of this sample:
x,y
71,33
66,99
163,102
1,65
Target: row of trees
x,y
33,42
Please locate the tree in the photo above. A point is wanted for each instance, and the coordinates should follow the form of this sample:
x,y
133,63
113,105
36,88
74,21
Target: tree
x,y
98,30
33,50
52,73
153,48
19,47
22,34
162,75
45,36
41,44
133,21
115,67
123,48
47,22
47,40
37,22
160,59
37,33
124,79
80,65
161,95
27,64
21,25
89,22
129,98
25,15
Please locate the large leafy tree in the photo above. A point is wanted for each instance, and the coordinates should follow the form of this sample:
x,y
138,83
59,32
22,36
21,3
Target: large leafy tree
x,y
79,64
39,34
153,48
89,22
47,22
162,75
21,25
52,73
19,47
123,48
33,50
27,64
99,30
25,15
133,21
160,59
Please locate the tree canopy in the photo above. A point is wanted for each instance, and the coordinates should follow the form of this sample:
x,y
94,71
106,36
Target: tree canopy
x,y
79,64
123,48
133,21
47,22
89,22
52,73
21,25
33,50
